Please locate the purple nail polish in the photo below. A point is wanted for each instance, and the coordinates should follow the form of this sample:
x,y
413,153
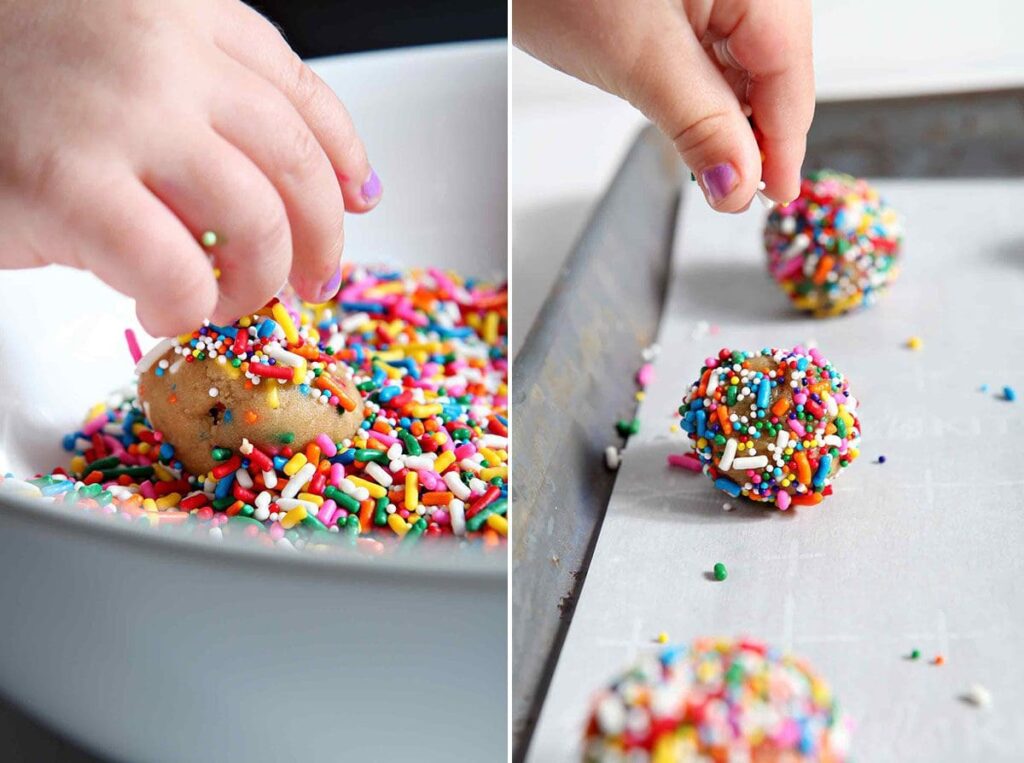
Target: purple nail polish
x,y
719,181
330,288
371,188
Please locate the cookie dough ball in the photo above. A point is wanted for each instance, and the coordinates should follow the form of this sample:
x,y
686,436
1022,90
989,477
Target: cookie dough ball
x,y
775,426
836,247
718,700
261,379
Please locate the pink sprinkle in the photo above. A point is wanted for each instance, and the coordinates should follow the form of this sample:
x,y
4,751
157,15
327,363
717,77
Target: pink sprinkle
x,y
797,427
788,268
428,479
645,375
337,475
685,461
276,531
147,491
95,425
465,451
384,439
782,500
326,512
133,345
327,446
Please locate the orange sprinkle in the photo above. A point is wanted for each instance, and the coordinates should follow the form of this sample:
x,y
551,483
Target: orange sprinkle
x,y
824,266
803,468
365,515
436,499
313,453
809,499
172,398
723,419
781,406
940,660
251,417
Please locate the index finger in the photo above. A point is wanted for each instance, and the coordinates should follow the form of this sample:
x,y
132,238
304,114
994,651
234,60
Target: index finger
x,y
771,41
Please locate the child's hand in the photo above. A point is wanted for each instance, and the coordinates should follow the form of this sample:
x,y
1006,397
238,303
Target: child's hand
x,y
128,128
690,67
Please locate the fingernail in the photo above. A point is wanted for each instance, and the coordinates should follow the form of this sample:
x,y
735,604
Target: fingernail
x,y
330,288
371,188
719,181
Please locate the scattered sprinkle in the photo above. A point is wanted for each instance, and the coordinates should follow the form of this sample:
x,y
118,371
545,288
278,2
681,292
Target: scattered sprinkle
x,y
978,696
881,460
663,638
133,345
720,572
939,660
1009,394
628,427
612,457
915,343
209,239
684,461
727,506
915,654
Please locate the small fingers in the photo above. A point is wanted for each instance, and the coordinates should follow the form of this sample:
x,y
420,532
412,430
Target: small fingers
x,y
683,92
252,41
771,41
212,186
255,117
142,250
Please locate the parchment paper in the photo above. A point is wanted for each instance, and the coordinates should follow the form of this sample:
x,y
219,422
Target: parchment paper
x,y
922,552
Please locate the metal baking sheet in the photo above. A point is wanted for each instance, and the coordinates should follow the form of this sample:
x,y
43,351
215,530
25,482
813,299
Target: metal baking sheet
x,y
922,552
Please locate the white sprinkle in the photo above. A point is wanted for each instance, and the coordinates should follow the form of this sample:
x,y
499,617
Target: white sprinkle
x,y
270,479
457,486
978,696
800,242
765,201
243,478
214,392
782,440
750,462
726,506
300,478
146,361
612,458
728,454
378,473
457,516
287,504
712,382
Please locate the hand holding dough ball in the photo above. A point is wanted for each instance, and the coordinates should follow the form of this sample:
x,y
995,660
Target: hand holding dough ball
x,y
774,426
718,700
260,379
836,247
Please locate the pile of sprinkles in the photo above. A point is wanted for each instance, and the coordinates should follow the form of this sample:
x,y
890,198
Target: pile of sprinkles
x,y
427,351
835,247
719,700
774,426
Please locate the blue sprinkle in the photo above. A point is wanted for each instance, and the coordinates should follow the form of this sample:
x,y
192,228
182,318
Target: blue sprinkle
x,y
730,487
764,391
223,489
228,416
230,331
824,466
267,327
57,488
279,462
1009,394
166,451
801,364
702,419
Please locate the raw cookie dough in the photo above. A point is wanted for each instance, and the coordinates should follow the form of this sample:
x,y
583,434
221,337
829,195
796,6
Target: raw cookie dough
x,y
775,426
836,247
718,700
211,388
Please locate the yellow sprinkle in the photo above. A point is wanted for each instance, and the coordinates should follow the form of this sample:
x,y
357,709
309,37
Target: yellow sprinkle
x,y
284,320
492,458
216,273
375,490
299,374
412,492
295,463
915,343
149,504
443,461
293,517
272,399
144,448
162,473
497,471
168,501
399,525
78,464
388,355
99,408
312,498
673,428
663,638
498,523
245,322
640,395
425,411
490,331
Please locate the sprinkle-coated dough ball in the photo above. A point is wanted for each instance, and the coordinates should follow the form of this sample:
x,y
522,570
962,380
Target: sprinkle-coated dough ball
x,y
775,426
836,247
717,700
258,379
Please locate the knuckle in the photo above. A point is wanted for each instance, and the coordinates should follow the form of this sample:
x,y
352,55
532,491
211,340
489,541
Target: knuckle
x,y
300,154
693,136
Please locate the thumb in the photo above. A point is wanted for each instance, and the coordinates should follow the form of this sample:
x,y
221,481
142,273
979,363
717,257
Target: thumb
x,y
679,88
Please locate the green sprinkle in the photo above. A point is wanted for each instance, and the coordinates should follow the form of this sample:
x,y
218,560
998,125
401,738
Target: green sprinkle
x,y
411,446
720,572
627,428
380,512
915,654
208,239
312,521
101,464
220,504
344,500
370,454
286,437
220,454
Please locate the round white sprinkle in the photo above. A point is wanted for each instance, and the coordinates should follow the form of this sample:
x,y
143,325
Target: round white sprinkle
x,y
214,392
